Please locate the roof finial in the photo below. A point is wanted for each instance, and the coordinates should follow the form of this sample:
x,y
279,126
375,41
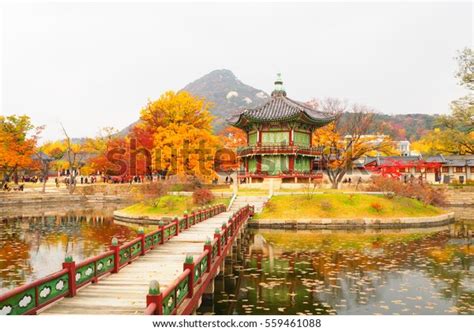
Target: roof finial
x,y
279,89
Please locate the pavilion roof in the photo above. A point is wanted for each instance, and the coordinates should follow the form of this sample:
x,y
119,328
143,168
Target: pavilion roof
x,y
280,108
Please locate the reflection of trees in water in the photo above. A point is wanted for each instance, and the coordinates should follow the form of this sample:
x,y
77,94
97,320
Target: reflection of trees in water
x,y
355,276
80,234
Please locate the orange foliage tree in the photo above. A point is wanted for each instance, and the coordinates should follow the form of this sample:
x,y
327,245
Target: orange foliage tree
x,y
18,137
231,138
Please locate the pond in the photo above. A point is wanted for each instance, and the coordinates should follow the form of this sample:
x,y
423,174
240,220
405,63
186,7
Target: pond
x,y
35,246
425,271
358,272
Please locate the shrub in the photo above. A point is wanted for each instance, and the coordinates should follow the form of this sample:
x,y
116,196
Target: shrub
x,y
151,192
376,206
421,191
326,205
202,196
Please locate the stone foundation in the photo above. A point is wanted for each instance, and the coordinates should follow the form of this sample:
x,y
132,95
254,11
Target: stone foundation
x,y
376,223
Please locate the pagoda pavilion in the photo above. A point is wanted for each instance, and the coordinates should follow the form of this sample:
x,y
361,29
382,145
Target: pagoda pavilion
x,y
279,139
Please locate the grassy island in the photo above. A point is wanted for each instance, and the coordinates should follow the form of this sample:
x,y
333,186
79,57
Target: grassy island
x,y
340,205
167,205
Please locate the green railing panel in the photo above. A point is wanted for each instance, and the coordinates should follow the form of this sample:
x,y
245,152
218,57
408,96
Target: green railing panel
x,y
105,264
148,241
191,220
214,251
157,238
53,289
85,273
182,223
169,303
182,290
173,229
197,273
203,265
136,249
167,233
18,304
124,255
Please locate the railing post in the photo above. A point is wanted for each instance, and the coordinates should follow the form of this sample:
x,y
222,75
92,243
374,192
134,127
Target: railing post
x,y
116,248
155,296
161,224
70,265
194,216
189,264
208,246
217,235
176,221
186,218
141,234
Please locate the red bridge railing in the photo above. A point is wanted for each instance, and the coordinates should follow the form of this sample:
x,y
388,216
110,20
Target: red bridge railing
x,y
184,292
29,298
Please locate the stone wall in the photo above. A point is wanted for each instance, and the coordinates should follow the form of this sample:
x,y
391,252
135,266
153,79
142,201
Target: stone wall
x,y
460,196
31,198
378,223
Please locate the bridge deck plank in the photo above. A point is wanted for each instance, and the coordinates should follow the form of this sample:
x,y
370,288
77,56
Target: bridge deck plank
x,y
125,292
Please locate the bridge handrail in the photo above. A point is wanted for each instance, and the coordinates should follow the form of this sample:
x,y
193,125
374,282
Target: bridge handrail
x,y
164,303
29,298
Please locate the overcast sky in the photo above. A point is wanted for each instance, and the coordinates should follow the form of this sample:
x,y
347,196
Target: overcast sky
x,y
95,65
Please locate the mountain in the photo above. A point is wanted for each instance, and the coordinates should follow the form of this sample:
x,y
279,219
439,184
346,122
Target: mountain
x,y
227,93
405,126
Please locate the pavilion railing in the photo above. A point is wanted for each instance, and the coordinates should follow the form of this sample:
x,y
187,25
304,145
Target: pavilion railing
x,y
278,149
196,272
29,298
284,173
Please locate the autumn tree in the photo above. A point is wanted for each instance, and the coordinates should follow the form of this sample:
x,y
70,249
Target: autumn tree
x,y
18,137
99,149
184,144
230,139
74,157
44,157
345,140
454,133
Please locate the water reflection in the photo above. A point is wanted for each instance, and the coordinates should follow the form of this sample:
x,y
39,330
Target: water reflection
x,y
321,272
35,246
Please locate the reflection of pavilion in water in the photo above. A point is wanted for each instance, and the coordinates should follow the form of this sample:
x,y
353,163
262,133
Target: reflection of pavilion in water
x,y
331,279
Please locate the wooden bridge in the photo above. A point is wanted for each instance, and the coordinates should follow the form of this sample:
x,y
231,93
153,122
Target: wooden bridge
x,y
144,276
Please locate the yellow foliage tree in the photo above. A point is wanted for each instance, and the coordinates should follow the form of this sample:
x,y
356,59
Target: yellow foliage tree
x,y
184,144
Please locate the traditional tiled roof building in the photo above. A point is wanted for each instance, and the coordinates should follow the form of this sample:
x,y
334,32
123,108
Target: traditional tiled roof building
x,y
279,138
